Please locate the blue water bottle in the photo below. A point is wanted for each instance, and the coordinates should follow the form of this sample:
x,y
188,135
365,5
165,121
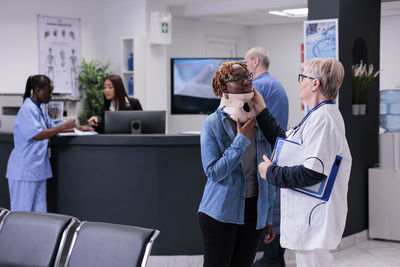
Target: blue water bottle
x,y
130,86
389,110
130,62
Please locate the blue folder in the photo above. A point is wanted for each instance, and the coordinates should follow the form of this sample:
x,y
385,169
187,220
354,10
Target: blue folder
x,y
289,153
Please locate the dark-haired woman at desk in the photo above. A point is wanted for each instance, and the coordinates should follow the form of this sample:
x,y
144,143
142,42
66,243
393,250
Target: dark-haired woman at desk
x,y
115,99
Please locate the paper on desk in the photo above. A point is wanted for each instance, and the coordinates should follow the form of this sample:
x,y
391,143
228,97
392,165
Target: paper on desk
x,y
77,132
191,132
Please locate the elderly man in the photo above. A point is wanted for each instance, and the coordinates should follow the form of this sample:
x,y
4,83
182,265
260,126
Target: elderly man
x,y
257,61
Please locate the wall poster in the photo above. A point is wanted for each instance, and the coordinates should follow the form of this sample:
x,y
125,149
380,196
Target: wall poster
x,y
321,39
60,52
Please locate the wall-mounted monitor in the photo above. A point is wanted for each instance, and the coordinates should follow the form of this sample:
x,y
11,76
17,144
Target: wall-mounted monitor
x,y
191,84
134,122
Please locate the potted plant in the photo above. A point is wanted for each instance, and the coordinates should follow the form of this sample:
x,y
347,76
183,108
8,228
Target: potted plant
x,y
361,76
91,80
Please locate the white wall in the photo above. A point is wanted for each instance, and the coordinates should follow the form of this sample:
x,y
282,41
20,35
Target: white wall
x,y
156,66
19,41
283,44
390,53
125,19
121,19
189,40
103,25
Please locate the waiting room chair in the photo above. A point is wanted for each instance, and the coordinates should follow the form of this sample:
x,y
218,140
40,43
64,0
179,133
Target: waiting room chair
x,y
3,213
34,239
104,244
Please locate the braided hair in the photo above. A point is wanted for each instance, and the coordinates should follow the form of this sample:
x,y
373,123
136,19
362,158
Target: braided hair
x,y
34,82
218,82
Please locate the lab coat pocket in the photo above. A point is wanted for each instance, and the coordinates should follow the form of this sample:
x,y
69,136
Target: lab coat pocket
x,y
317,214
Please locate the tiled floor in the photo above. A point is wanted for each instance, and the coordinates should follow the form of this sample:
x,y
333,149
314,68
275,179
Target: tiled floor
x,y
369,253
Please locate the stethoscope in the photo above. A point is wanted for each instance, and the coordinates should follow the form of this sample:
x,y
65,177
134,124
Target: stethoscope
x,y
293,131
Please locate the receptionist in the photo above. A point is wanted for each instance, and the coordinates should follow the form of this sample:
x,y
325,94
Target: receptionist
x,y
115,98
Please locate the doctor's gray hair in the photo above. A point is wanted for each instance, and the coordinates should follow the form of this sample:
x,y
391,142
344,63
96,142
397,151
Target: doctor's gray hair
x,y
329,72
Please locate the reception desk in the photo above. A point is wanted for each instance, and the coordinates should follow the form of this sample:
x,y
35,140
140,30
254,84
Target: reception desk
x,y
153,181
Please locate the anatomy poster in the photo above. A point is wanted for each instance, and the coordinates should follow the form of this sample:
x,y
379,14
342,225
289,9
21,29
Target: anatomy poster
x,y
60,52
321,39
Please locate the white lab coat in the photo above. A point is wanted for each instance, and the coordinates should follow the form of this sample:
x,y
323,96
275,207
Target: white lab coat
x,y
306,222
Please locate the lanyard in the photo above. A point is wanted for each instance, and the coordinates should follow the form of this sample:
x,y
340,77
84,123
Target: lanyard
x,y
295,129
41,113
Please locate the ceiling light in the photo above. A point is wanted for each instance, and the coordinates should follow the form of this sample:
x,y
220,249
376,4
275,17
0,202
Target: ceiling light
x,y
293,13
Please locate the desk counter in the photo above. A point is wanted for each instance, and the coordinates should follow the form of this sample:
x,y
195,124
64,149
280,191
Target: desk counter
x,y
153,181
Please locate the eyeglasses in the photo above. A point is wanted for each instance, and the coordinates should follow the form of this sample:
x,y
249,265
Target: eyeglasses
x,y
247,60
302,76
239,78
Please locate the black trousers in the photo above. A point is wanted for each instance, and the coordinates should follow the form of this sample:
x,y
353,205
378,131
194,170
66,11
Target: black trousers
x,y
228,244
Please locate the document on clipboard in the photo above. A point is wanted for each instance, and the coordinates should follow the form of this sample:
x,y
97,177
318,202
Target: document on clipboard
x,y
289,153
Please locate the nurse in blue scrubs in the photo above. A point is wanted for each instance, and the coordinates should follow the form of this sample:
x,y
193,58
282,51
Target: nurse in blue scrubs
x,y
29,165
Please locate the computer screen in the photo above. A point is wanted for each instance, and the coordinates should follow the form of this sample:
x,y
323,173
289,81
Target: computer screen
x,y
134,122
191,84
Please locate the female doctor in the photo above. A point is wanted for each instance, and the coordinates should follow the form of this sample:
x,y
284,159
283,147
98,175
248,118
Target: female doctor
x,y
29,165
310,226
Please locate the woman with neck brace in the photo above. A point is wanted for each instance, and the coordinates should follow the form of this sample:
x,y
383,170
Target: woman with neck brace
x,y
237,204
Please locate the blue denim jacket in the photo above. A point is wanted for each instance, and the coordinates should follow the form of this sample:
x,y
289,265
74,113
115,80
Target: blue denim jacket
x,y
221,155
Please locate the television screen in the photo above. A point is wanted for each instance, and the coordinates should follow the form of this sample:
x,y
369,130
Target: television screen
x,y
191,84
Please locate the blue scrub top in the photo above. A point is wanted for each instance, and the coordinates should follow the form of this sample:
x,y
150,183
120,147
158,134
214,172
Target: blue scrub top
x,y
274,96
29,160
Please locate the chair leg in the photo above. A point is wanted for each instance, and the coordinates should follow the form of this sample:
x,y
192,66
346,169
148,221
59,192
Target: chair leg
x,y
149,247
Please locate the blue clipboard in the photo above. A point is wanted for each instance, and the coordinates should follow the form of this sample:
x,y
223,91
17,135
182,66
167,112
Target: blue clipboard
x,y
289,153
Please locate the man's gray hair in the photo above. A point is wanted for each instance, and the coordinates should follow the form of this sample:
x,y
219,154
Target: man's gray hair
x,y
260,53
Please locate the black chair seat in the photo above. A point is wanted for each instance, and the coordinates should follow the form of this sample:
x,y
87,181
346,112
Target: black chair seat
x,y
104,244
31,238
